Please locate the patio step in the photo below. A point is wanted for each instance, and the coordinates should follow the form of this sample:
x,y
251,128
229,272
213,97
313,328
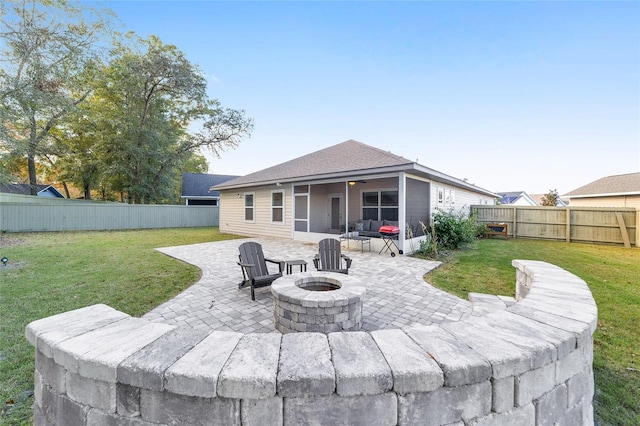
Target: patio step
x,y
486,303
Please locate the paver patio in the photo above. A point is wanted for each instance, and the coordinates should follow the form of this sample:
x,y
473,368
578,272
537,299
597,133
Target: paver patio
x,y
397,294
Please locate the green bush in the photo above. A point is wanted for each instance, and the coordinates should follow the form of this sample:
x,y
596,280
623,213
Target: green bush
x,y
453,229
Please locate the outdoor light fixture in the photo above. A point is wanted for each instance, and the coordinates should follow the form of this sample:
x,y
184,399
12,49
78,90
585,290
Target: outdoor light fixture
x,y
352,183
4,260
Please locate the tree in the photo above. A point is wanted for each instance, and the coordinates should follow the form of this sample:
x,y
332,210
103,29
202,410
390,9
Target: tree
x,y
151,94
46,48
551,198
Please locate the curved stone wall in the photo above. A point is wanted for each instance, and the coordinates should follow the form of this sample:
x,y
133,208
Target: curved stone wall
x,y
528,364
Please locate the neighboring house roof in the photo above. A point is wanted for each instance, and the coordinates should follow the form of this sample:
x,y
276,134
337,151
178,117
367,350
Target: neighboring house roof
x,y
515,196
538,199
347,159
25,189
196,185
626,184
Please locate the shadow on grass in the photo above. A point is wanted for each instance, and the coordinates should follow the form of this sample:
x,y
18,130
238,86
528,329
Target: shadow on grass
x,y
617,392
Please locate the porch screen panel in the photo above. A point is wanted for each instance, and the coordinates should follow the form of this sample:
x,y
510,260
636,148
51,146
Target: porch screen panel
x,y
379,205
370,205
389,205
301,213
418,202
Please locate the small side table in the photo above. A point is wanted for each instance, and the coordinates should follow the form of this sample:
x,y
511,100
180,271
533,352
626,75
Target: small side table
x,y
296,262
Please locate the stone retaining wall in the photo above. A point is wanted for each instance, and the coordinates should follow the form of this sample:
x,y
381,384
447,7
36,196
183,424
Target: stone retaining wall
x,y
529,364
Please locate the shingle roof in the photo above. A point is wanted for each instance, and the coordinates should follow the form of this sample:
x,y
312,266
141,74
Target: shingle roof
x,y
23,188
198,184
344,157
619,184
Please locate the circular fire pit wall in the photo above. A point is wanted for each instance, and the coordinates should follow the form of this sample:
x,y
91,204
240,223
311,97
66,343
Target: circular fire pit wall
x,y
317,301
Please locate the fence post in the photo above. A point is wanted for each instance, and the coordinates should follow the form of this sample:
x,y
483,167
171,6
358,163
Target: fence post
x,y
637,228
568,227
623,230
515,221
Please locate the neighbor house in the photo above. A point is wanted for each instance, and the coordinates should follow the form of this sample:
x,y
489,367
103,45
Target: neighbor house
x,y
347,186
196,188
516,198
25,189
538,198
610,191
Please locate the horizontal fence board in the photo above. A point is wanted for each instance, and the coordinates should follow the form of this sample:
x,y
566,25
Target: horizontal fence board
x,y
78,216
586,224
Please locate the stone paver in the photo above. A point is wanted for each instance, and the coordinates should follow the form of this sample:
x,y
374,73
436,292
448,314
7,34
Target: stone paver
x,y
397,295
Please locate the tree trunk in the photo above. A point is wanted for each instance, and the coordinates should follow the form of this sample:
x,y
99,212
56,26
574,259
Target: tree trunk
x,y
33,183
66,189
87,192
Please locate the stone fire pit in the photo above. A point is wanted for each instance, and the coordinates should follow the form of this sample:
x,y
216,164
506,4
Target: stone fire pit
x,y
317,301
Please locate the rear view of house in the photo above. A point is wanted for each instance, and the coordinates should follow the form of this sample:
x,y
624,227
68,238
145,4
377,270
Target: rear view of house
x,y
339,188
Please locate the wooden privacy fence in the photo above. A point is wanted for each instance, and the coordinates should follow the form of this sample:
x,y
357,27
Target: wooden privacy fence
x,y
614,225
73,215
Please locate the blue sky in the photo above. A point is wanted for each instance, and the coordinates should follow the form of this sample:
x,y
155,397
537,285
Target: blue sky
x,y
511,95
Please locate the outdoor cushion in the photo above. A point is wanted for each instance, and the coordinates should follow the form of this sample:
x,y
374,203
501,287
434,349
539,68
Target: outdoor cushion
x,y
375,225
359,226
367,225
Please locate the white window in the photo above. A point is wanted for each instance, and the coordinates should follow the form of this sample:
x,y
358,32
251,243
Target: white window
x,y
277,207
249,206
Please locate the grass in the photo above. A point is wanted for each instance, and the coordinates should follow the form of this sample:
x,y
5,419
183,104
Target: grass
x,y
613,275
49,273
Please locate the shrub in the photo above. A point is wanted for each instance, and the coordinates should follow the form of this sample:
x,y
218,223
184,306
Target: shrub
x,y
453,229
429,245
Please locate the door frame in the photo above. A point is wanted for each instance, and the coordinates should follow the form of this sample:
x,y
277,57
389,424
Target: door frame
x,y
340,198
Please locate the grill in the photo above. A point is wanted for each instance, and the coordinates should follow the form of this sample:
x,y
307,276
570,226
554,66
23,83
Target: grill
x,y
389,237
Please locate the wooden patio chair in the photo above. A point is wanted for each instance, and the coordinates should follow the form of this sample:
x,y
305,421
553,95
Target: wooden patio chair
x,y
330,257
254,267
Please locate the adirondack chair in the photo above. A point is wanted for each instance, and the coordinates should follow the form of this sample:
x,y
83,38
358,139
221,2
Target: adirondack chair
x,y
330,257
254,267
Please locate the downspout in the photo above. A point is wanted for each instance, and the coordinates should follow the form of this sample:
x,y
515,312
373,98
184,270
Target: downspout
x,y
293,211
402,199
346,206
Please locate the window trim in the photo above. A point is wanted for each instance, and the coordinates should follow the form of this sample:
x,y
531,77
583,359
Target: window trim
x,y
379,207
252,207
282,207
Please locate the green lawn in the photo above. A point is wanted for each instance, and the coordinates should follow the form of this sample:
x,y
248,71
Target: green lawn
x,y
49,273
613,275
